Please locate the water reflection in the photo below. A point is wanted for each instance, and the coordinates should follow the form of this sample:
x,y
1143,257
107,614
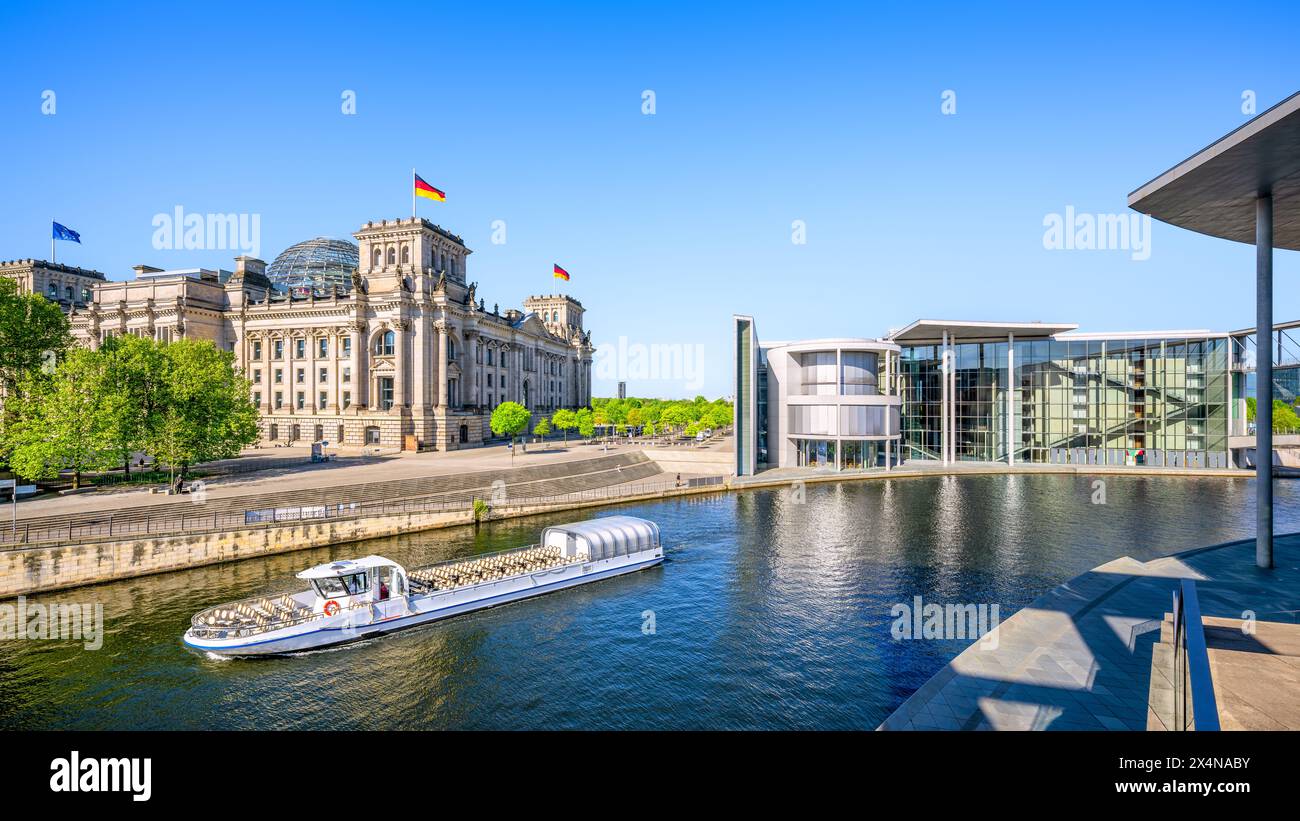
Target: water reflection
x,y
769,613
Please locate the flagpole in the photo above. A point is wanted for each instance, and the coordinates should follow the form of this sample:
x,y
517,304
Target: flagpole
x,y
52,259
414,213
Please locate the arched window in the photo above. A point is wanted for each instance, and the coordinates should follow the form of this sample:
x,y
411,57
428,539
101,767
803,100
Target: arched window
x,y
379,257
67,292
385,343
406,254
392,256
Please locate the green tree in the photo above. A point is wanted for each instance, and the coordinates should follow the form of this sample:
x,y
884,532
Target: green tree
x,y
136,375
718,416
33,335
509,419
207,413
635,417
565,420
1284,416
674,416
586,419
33,331
649,429
62,424
542,428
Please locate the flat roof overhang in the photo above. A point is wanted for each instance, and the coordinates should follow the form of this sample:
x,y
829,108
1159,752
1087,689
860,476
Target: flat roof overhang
x,y
1213,192
931,330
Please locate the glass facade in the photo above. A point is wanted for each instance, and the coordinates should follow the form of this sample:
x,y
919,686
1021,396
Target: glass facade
x,y
1087,401
317,264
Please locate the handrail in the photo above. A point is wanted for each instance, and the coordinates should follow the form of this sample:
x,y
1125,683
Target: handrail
x,y
1192,676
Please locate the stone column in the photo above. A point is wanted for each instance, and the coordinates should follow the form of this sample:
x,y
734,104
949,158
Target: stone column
x,y
360,364
469,375
400,399
441,327
336,372
268,377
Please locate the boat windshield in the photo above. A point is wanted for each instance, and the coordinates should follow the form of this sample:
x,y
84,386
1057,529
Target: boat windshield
x,y
349,585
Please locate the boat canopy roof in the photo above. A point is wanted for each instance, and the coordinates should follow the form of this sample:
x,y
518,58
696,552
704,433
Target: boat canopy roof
x,y
607,536
346,566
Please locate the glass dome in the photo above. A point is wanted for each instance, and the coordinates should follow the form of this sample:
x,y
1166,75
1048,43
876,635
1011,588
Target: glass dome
x,y
317,264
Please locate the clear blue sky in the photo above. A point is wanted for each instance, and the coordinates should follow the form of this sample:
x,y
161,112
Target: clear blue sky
x,y
668,223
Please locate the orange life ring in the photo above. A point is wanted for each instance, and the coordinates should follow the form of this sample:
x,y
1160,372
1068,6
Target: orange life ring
x,y
331,607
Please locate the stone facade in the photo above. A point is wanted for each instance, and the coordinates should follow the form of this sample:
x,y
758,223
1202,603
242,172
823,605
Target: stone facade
x,y
408,357
68,286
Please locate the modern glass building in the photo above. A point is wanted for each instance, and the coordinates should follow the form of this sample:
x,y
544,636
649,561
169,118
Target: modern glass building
x,y
829,404
317,264
1005,392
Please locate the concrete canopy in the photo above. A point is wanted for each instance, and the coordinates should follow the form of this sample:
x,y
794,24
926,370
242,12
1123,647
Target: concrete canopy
x,y
931,330
1213,192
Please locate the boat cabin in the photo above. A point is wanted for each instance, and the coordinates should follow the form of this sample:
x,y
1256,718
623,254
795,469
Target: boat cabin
x,y
605,538
353,582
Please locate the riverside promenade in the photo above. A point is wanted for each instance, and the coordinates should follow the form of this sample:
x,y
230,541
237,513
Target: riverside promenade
x,y
1079,657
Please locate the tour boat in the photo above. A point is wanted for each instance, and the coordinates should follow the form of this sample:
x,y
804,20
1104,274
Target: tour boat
x,y
360,598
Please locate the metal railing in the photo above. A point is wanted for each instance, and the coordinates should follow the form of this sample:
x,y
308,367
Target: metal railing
x,y
1194,704
171,523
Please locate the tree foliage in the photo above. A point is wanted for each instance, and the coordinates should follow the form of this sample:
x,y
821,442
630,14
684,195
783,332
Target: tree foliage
x,y
509,419
181,402
33,337
61,422
565,420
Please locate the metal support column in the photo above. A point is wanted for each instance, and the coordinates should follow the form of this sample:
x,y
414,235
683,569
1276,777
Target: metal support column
x,y
943,401
1011,404
1264,380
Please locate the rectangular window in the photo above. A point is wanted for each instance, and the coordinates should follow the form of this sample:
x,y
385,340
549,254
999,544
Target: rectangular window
x,y
347,402
347,375
324,400
347,346
302,375
257,349
257,376
279,376
300,348
302,401
322,347
279,400
323,376
385,392
257,399
277,350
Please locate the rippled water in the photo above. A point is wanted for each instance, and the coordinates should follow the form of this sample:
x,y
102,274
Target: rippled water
x,y
767,614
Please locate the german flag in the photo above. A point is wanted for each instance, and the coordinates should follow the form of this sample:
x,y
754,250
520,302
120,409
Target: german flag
x,y
560,273
423,189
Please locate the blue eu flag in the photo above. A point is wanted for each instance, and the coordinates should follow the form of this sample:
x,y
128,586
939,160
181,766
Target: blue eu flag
x,y
63,232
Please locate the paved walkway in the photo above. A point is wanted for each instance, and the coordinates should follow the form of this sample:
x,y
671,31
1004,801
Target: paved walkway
x,y
1079,657
345,471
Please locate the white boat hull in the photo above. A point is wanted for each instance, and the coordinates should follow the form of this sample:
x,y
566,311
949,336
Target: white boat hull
x,y
414,610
